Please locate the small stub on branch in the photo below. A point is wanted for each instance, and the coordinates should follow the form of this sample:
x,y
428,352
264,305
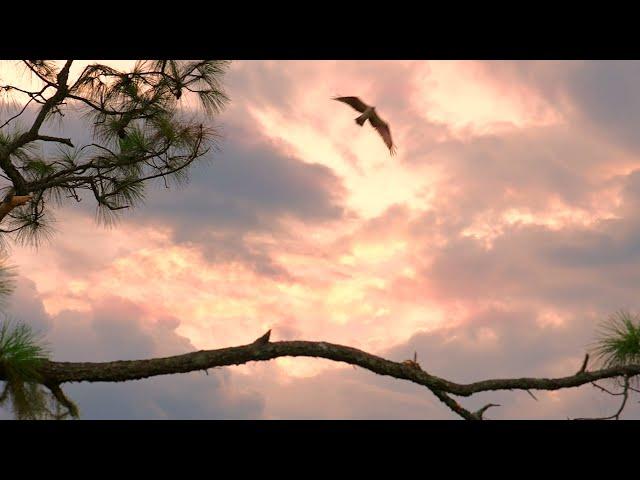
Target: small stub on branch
x,y
264,339
480,412
72,408
413,363
583,368
532,395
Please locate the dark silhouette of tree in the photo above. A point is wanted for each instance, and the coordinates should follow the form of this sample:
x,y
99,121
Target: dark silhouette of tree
x,y
140,134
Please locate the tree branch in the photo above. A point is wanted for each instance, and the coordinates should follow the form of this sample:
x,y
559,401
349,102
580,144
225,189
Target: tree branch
x,y
263,349
46,138
481,411
583,368
32,134
625,397
12,201
62,399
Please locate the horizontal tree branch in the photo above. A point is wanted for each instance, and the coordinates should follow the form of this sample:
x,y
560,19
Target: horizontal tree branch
x,y
56,373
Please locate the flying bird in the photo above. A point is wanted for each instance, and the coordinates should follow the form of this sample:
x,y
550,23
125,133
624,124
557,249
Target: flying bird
x,y
369,113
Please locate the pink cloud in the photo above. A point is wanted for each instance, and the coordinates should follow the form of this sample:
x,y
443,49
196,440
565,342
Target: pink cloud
x,y
503,221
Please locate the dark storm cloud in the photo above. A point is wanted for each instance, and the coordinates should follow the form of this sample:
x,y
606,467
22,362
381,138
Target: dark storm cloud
x,y
247,188
607,94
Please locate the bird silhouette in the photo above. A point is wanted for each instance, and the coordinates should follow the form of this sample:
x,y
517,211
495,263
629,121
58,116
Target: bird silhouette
x,y
369,113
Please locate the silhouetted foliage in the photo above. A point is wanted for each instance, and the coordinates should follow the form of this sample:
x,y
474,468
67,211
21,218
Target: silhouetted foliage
x,y
144,123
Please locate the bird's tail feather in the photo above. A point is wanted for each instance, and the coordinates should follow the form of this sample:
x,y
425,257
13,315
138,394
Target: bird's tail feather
x,y
361,119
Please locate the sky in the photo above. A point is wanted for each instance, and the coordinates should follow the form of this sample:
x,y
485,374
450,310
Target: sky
x,y
504,231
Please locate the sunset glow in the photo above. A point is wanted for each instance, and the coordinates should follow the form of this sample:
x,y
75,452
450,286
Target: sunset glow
x,y
504,229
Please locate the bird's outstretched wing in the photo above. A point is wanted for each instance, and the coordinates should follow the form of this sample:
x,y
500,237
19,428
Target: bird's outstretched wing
x,y
355,102
383,129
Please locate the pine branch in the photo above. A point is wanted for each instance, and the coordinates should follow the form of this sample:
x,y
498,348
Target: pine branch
x,y
57,373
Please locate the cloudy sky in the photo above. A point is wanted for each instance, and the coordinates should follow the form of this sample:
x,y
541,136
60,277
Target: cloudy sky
x,y
506,228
